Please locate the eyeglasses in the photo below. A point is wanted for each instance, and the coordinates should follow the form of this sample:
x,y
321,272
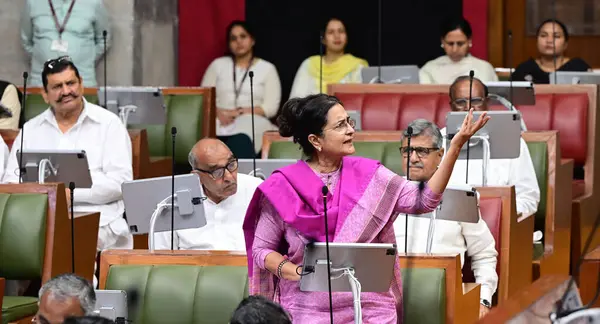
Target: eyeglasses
x,y
219,173
421,151
342,125
463,102
52,62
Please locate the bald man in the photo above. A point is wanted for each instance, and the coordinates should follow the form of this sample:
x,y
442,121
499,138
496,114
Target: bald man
x,y
229,195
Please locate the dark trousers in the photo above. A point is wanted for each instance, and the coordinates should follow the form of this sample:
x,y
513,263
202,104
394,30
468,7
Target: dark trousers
x,y
240,145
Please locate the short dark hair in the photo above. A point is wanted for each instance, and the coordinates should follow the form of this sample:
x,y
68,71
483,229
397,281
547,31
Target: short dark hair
x,y
58,65
301,117
466,78
456,23
558,22
236,23
259,310
88,320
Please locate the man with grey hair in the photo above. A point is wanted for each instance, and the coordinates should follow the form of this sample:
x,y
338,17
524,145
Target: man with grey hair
x,y
426,152
229,195
64,296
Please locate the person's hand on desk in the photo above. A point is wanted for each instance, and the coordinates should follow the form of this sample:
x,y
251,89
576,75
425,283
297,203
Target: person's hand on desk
x,y
248,110
483,310
68,193
227,116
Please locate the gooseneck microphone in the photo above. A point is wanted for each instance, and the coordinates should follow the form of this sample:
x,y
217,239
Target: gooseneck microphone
x,y
321,64
409,132
554,39
325,190
104,35
471,75
251,74
379,41
510,70
173,137
21,170
71,190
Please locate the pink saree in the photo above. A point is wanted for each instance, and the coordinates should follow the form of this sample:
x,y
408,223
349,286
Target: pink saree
x,y
286,213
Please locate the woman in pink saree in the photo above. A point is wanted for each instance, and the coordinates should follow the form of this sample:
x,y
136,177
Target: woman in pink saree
x,y
363,201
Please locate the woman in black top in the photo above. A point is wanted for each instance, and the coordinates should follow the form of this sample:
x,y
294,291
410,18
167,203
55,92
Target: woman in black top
x,y
552,39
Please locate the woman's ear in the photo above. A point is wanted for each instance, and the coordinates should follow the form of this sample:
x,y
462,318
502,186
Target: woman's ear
x,y
315,141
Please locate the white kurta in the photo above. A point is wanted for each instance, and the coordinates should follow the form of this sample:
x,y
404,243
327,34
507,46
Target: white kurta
x,y
443,70
223,230
454,238
267,95
305,84
106,141
504,172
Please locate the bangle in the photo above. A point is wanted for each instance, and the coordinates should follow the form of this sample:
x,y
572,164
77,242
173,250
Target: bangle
x,y
280,267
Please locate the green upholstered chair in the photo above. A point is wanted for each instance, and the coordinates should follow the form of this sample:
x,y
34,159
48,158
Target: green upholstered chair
x,y
22,247
424,293
177,286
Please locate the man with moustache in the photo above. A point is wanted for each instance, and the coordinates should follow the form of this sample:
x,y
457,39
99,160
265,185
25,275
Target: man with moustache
x,y
450,237
228,196
518,172
72,123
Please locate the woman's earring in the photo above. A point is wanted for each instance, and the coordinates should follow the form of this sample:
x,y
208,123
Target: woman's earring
x,y
319,149
442,45
470,44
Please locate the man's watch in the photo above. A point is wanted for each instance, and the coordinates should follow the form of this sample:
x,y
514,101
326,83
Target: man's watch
x,y
485,303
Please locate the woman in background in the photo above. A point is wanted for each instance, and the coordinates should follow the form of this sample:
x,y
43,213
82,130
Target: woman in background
x,y
552,41
230,75
338,67
456,42
363,200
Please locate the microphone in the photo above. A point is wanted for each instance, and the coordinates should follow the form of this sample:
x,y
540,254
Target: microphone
x,y
409,132
325,190
510,69
321,64
554,39
251,75
379,41
471,75
104,34
173,136
21,170
560,311
71,190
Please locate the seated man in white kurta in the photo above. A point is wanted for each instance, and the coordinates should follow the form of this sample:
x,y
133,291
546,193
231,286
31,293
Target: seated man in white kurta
x,y
229,195
500,172
449,237
72,123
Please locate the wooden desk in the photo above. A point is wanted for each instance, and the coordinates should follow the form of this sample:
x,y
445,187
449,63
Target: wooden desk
x,y
589,276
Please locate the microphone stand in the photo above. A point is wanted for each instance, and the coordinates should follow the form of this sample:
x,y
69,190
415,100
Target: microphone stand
x,y
251,75
409,132
554,38
325,190
21,170
510,69
104,34
379,41
173,136
321,64
71,190
471,74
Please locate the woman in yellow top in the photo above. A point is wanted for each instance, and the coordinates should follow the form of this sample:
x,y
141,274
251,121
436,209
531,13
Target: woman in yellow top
x,y
338,67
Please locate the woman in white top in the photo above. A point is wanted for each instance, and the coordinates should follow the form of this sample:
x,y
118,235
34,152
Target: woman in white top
x,y
338,67
456,42
230,76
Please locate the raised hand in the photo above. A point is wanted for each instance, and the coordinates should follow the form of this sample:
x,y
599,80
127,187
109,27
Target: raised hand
x,y
469,128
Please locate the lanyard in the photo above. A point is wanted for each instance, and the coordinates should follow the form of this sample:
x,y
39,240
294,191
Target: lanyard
x,y
237,89
59,27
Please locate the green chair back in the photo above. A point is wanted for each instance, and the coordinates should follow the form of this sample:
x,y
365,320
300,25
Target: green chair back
x,y
424,295
539,157
180,293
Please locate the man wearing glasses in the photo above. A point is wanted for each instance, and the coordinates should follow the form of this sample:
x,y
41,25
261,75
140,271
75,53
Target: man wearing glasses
x,y
72,123
500,172
229,195
426,152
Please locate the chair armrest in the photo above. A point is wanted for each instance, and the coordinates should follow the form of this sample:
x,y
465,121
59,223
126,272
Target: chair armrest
x,y
86,242
160,166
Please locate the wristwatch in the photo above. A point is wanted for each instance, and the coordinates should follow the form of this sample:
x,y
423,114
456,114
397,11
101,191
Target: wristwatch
x,y
486,303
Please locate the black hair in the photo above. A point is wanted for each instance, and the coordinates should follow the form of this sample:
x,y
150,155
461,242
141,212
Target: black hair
x,y
301,117
58,65
330,20
466,78
456,23
234,24
558,22
88,320
259,310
